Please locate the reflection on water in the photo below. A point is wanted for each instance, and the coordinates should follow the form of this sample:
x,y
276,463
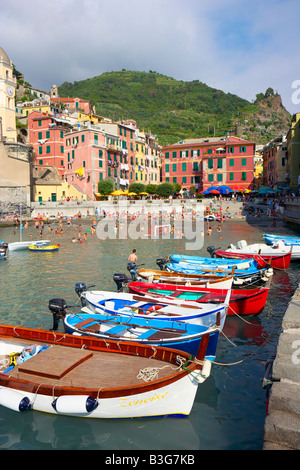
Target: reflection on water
x,y
229,409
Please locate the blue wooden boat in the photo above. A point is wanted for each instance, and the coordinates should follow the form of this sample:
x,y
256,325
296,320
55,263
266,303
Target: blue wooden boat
x,y
219,266
147,331
288,240
209,262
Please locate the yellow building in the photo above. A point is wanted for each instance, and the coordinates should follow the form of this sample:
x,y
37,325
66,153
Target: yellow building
x,y
140,170
258,169
8,83
48,186
23,109
293,153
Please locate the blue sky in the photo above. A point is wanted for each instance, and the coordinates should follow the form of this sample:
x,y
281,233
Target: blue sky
x,y
237,46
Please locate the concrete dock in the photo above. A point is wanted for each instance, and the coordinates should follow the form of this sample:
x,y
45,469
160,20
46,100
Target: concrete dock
x,y
282,424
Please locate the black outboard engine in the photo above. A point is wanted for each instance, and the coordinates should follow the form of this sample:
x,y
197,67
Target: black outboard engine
x,y
120,280
58,309
131,267
80,287
212,251
161,262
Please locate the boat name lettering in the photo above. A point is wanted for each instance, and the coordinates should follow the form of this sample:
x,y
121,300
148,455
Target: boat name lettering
x,y
126,402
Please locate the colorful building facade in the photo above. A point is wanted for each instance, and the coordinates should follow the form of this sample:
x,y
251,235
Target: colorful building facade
x,y
210,162
293,153
46,135
275,163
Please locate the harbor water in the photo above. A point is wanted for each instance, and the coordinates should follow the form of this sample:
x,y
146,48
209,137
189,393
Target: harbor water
x,y
230,406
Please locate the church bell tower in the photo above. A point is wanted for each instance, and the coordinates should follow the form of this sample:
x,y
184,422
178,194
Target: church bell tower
x,y
8,84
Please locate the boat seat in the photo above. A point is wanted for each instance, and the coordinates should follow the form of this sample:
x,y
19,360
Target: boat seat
x,y
116,330
51,364
147,334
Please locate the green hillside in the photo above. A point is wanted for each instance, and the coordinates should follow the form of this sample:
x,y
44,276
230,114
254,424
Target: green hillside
x,y
171,109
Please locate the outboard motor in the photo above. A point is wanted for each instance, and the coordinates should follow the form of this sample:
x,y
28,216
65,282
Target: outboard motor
x,y
212,251
58,309
79,288
120,280
161,262
131,267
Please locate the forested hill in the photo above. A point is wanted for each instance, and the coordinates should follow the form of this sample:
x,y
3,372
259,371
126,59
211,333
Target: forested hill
x,y
175,110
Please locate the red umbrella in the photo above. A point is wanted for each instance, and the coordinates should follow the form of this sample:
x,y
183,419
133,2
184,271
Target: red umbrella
x,y
214,191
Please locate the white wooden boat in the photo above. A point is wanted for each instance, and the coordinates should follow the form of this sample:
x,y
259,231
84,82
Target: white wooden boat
x,y
279,255
90,377
204,280
293,242
206,314
23,245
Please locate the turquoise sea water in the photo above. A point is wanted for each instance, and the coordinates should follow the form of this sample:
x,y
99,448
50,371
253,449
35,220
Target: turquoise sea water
x,y
229,409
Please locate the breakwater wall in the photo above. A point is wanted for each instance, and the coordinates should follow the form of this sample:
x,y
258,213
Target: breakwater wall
x,y
282,424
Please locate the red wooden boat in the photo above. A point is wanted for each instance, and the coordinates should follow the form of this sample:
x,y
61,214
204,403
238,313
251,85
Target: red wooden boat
x,y
278,261
242,301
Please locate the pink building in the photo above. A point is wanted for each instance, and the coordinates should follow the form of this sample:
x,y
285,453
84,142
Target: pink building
x,y
210,162
46,135
74,104
86,160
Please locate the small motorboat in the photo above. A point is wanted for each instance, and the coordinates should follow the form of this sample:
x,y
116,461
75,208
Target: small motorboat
x,y
14,246
194,277
242,301
41,248
88,377
246,271
138,329
168,309
287,239
153,275
278,255
291,242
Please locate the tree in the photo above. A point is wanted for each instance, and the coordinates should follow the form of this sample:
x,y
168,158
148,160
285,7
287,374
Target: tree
x,y
106,186
192,190
177,187
165,189
136,188
151,188
269,92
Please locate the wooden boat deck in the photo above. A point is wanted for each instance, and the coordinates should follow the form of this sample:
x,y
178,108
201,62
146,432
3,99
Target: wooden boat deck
x,y
67,366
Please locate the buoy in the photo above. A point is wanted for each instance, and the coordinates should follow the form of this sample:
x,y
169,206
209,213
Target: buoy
x,y
14,400
74,404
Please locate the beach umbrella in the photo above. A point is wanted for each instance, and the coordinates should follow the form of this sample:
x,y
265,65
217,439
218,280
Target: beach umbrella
x,y
131,194
224,189
143,194
205,192
118,192
212,188
214,191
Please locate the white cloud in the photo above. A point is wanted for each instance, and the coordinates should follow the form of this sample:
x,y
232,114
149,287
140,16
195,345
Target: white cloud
x,y
240,47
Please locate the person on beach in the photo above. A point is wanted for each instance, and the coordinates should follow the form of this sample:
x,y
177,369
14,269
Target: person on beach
x,y
209,231
132,258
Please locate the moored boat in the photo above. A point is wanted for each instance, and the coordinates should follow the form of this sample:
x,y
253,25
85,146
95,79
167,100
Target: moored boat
x,y
138,329
153,275
288,240
42,248
247,271
242,301
89,377
208,314
23,245
278,255
192,276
